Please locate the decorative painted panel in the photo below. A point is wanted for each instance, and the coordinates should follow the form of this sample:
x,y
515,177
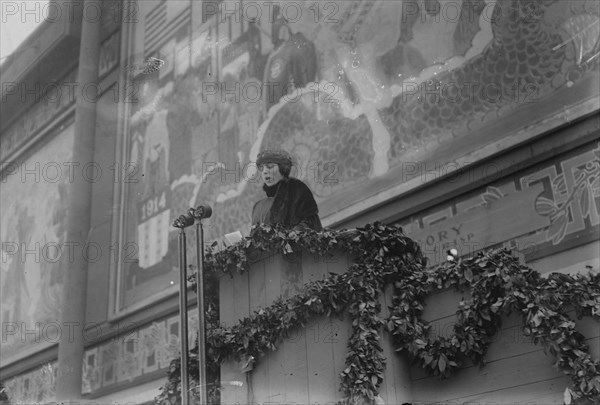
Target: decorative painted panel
x,y
126,358
37,386
358,91
541,211
33,197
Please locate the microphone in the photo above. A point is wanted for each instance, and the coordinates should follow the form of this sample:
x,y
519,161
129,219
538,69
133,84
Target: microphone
x,y
183,221
201,212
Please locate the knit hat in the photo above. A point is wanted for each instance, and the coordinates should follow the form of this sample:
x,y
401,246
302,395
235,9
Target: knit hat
x,y
279,156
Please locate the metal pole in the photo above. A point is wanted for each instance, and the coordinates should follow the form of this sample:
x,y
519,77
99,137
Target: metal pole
x,y
197,214
201,313
183,318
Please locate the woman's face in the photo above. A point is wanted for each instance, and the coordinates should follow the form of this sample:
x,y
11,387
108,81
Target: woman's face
x,y
270,173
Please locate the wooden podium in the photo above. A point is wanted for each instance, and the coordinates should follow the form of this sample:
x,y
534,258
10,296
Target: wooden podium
x,y
305,367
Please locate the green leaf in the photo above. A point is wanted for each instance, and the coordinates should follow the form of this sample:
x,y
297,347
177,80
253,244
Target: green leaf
x,y
442,363
374,380
596,382
496,306
537,321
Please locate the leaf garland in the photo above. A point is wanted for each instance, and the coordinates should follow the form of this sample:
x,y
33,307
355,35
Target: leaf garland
x,y
384,256
3,396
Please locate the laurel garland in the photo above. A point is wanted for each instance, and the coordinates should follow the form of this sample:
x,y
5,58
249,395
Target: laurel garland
x,y
384,256
3,395
499,285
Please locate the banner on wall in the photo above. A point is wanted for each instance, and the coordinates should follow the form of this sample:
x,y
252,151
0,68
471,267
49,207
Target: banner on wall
x,y
355,90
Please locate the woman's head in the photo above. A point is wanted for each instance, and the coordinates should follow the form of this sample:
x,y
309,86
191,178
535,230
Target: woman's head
x,y
273,165
271,173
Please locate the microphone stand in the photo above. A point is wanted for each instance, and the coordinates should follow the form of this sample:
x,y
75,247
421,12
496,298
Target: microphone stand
x,y
198,214
182,222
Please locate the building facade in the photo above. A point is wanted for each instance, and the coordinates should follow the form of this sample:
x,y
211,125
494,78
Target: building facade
x,y
472,124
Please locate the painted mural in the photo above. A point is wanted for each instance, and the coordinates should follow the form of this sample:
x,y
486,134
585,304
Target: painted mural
x,y
353,89
34,194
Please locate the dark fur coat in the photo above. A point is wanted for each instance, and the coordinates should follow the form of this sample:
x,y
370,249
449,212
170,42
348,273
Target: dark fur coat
x,y
293,205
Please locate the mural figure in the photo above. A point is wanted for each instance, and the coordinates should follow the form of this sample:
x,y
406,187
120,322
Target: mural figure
x,y
183,120
156,153
289,201
229,132
291,65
